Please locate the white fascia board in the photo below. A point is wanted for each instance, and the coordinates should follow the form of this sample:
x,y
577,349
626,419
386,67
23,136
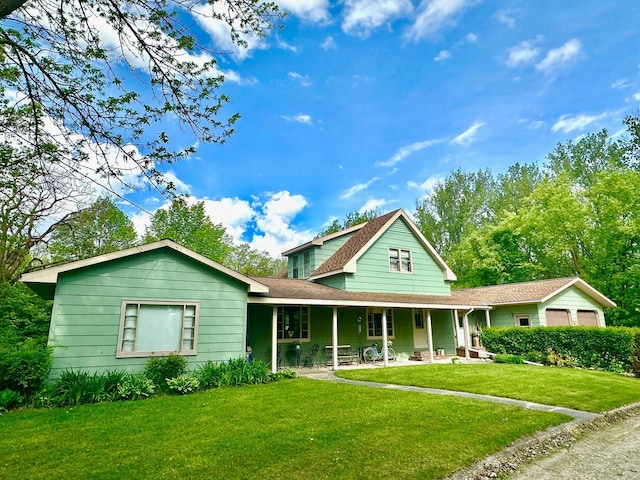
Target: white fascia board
x,y
585,288
358,303
320,241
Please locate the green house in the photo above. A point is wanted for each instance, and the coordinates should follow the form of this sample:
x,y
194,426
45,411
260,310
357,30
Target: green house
x,y
379,282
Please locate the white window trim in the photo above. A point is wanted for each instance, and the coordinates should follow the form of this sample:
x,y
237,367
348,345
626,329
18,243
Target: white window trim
x,y
134,354
294,339
399,252
389,322
518,316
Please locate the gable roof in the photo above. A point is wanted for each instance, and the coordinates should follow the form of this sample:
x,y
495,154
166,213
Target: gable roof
x,y
320,240
50,275
345,258
538,291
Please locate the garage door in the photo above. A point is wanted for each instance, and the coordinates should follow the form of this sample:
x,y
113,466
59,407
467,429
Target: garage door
x,y
587,318
557,318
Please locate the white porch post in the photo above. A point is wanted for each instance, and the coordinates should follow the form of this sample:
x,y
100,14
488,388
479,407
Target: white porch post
x,y
430,335
385,339
454,319
274,340
334,338
487,318
465,325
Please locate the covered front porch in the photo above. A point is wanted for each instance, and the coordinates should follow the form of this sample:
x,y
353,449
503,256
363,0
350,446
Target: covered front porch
x,y
284,333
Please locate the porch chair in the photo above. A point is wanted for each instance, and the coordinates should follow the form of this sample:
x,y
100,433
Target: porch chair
x,y
279,358
311,359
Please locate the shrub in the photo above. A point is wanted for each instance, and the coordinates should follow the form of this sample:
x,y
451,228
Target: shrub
x,y
235,372
159,369
560,360
185,383
508,358
607,349
24,364
136,387
74,388
9,399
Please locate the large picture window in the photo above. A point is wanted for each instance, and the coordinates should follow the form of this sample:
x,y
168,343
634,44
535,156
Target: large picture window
x,y
293,323
400,260
157,328
374,323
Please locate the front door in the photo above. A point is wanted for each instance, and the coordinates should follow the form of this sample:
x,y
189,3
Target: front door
x,y
420,340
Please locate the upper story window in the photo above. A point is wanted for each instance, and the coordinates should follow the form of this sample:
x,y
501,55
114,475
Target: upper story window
x,y
301,265
158,328
400,260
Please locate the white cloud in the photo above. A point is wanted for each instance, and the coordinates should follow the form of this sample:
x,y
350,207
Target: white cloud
x,y
274,223
622,83
443,55
329,44
362,16
372,204
350,192
270,219
636,96
570,123
304,80
471,38
404,152
523,54
505,16
468,136
559,57
302,118
315,11
428,185
180,186
433,15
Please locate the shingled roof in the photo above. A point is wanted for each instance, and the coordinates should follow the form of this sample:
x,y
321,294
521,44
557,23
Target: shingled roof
x,y
530,292
343,260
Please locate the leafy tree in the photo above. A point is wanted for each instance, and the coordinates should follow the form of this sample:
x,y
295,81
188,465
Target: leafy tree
x,y
35,196
351,219
190,226
64,66
457,206
512,187
245,260
581,161
24,313
101,228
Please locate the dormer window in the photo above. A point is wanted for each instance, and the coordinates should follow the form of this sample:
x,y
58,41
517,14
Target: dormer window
x,y
400,260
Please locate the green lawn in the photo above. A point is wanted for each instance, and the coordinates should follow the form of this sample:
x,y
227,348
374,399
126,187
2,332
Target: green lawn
x,y
296,428
580,389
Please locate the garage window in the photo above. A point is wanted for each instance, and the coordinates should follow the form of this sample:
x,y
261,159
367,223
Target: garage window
x,y
557,317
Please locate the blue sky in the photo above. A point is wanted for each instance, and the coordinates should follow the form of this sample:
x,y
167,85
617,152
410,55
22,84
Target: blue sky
x,y
364,104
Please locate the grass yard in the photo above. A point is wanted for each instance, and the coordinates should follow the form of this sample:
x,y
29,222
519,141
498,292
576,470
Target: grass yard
x,y
295,428
573,388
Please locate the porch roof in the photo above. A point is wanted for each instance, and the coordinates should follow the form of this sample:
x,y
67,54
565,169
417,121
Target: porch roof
x,y
290,291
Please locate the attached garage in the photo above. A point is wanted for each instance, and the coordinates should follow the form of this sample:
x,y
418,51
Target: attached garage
x,y
557,318
588,318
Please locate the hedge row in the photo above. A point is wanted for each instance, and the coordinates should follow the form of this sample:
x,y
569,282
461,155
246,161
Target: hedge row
x,y
611,349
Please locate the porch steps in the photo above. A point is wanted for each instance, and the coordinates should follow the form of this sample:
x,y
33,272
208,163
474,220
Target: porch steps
x,y
423,356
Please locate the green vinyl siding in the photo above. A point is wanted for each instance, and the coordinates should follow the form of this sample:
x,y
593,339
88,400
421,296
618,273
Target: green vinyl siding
x,y
328,248
442,327
573,299
373,273
86,313
505,316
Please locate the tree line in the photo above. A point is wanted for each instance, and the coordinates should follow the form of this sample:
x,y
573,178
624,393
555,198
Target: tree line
x,y
576,215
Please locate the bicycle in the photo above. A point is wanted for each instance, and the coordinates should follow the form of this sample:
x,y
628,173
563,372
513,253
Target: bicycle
x,y
372,354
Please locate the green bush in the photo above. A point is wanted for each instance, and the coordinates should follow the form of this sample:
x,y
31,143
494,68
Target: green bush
x,y
183,384
135,387
508,358
236,372
609,349
9,399
24,364
74,388
159,369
